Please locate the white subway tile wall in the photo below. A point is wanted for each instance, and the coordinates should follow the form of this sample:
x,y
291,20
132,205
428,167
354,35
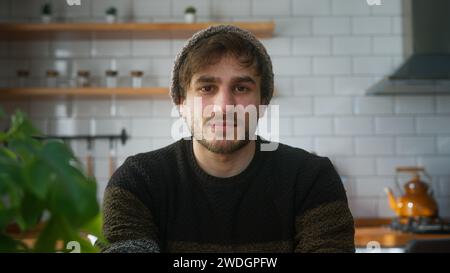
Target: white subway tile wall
x,y
325,53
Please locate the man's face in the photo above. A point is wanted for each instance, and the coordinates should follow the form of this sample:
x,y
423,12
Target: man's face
x,y
226,83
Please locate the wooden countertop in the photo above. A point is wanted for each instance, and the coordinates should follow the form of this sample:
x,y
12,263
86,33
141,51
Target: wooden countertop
x,y
367,230
388,237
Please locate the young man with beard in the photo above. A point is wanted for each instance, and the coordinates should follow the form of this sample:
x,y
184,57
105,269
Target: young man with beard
x,y
216,194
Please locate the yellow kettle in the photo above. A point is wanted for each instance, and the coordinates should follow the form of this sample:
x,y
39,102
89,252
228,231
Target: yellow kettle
x,y
417,198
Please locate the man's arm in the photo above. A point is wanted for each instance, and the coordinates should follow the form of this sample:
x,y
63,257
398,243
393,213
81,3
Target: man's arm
x,y
128,223
324,222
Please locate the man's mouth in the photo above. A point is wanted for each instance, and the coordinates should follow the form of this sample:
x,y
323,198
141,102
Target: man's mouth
x,y
224,124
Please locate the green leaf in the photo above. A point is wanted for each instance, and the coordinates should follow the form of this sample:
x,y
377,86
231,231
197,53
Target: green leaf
x,y
7,154
47,238
74,197
25,149
6,217
21,126
70,187
7,244
11,189
38,175
31,211
20,220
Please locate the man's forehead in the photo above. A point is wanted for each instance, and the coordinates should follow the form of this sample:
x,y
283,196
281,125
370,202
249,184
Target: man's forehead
x,y
215,68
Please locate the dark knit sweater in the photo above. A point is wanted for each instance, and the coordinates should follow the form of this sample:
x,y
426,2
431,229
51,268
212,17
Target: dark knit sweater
x,y
286,200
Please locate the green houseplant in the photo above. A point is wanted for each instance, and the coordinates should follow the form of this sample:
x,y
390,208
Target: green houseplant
x,y
42,184
46,13
111,15
190,14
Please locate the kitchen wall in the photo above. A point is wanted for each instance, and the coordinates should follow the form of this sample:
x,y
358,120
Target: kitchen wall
x,y
325,54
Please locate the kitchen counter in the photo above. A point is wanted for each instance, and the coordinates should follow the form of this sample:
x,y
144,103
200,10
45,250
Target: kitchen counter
x,y
388,237
367,230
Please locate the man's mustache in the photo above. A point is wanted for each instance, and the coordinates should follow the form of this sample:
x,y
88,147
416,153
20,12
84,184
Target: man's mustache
x,y
230,118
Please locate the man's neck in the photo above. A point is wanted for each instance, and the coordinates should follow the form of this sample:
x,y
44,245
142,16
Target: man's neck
x,y
223,165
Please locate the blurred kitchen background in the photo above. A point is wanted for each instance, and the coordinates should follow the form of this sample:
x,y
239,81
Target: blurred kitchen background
x,y
326,54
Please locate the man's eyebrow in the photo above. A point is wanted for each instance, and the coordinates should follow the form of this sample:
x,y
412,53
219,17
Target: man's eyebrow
x,y
244,79
207,79
211,79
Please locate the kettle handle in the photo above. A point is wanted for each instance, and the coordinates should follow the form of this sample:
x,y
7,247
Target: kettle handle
x,y
415,170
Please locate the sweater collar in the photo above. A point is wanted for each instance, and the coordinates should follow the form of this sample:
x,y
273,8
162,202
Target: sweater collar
x,y
250,171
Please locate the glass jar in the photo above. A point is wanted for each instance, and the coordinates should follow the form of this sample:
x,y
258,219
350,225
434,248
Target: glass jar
x,y
23,77
136,78
83,78
111,78
52,78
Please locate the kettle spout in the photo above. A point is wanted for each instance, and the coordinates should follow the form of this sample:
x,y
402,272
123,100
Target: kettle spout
x,y
391,197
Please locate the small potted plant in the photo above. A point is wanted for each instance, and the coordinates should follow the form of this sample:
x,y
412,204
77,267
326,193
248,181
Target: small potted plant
x,y
46,13
111,15
190,14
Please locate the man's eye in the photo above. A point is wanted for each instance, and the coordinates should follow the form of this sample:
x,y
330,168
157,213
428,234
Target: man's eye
x,y
241,89
206,89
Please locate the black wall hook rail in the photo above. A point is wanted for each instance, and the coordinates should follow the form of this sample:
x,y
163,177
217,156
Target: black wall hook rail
x,y
123,137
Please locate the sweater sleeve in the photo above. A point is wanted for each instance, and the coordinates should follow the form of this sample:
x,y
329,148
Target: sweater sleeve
x,y
323,220
128,223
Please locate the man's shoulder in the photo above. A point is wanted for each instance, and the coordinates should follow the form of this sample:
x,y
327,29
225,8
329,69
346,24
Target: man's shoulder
x,y
287,152
140,167
300,160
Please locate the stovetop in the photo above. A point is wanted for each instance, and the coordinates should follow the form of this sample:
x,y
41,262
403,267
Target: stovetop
x,y
421,225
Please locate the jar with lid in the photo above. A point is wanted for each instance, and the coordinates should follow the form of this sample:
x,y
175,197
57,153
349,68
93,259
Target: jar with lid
x,y
136,78
83,78
23,77
111,78
52,78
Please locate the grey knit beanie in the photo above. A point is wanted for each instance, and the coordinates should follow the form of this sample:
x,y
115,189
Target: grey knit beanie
x,y
176,90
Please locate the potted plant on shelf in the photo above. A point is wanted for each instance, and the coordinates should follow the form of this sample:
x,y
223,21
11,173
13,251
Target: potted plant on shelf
x,y
190,14
45,193
111,15
46,13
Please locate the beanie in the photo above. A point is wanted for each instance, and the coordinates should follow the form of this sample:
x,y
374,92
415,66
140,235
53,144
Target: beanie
x,y
176,90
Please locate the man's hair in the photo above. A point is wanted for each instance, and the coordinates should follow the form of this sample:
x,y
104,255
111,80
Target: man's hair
x,y
209,46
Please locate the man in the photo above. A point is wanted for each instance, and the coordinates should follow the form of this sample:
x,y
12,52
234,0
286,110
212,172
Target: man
x,y
220,194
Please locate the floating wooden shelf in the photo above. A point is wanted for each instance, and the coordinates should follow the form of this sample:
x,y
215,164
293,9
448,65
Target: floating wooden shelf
x,y
11,31
85,92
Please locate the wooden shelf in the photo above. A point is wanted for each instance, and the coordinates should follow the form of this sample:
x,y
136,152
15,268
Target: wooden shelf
x,y
11,31
84,92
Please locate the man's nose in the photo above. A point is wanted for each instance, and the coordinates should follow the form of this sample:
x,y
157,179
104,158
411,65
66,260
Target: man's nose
x,y
223,98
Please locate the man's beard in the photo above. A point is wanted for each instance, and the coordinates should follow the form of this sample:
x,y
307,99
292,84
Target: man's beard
x,y
223,145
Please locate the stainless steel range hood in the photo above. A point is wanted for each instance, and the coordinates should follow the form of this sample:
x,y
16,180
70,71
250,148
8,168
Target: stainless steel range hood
x,y
427,50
